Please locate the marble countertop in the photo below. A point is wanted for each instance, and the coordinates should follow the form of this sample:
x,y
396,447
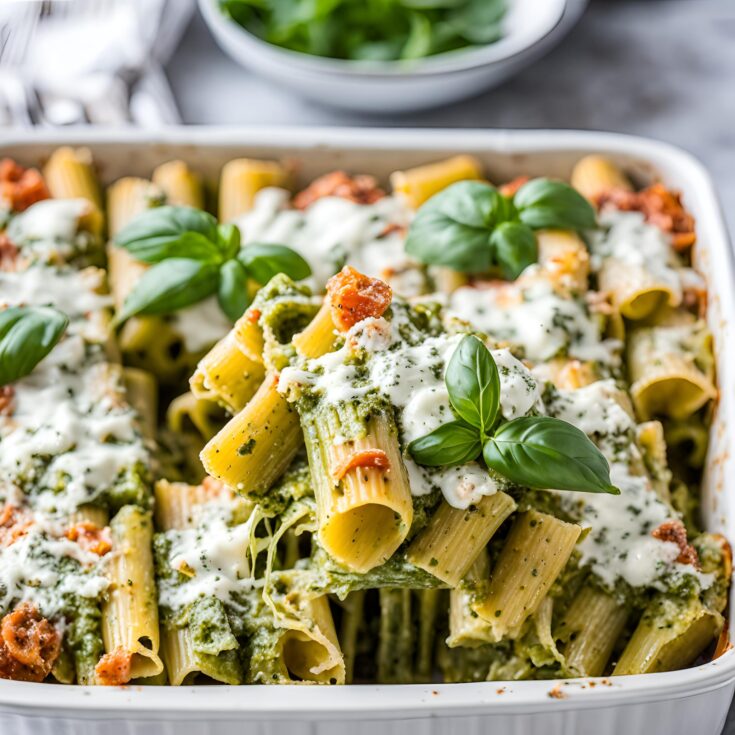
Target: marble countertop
x,y
660,68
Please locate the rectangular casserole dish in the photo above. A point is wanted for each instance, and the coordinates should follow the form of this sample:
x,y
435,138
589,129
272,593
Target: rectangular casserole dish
x,y
695,699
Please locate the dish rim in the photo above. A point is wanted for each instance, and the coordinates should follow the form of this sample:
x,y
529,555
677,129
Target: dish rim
x,y
405,700
506,49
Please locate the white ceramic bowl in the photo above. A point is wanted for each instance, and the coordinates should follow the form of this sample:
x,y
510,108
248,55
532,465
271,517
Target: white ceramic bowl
x,y
693,700
531,27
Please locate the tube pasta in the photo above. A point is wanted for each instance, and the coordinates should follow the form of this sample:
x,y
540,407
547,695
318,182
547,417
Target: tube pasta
x,y
364,512
242,179
141,392
687,438
254,449
650,438
666,370
318,337
396,639
181,186
670,635
256,446
454,538
130,613
352,620
594,175
416,185
175,503
309,645
226,375
590,629
638,292
537,549
187,412
466,627
127,198
564,260
69,174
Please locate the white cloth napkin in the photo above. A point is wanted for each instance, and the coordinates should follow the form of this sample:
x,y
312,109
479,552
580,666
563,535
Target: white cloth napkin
x,y
89,61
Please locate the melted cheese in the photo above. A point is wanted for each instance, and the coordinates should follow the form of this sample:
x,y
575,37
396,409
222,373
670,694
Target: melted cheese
x,y
619,544
48,230
212,556
536,319
627,237
333,231
69,427
43,567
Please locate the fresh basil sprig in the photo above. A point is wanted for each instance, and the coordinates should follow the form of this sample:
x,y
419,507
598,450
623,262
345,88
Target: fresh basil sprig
x,y
532,451
27,335
471,227
193,257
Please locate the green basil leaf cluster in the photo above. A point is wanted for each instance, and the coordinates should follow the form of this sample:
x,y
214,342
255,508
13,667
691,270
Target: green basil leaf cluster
x,y
371,30
471,227
193,257
532,451
27,335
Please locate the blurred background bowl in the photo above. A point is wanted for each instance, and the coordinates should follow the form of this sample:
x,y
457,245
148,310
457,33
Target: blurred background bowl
x,y
531,27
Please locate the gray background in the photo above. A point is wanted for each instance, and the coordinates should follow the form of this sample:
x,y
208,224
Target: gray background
x,y
662,68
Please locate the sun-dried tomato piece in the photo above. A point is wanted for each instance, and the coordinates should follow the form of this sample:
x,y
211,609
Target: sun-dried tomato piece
x,y
7,394
354,297
660,207
20,187
362,189
29,645
510,188
365,458
8,254
91,537
675,532
114,668
14,523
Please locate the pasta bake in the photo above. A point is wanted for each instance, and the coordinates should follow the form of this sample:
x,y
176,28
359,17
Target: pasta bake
x,y
428,429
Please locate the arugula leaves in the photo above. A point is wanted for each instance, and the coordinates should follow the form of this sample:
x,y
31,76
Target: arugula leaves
x,y
532,451
193,257
27,335
471,227
371,30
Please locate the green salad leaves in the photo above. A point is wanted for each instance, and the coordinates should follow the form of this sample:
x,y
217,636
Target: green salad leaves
x,y
27,335
371,30
471,227
193,257
532,451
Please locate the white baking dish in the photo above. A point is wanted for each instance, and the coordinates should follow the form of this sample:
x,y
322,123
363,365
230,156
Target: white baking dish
x,y
692,700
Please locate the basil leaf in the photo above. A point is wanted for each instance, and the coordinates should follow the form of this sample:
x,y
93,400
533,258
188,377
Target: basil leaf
x,y
232,291
547,203
453,228
27,335
263,261
479,21
547,453
515,248
473,384
454,443
229,240
171,232
169,286
418,43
